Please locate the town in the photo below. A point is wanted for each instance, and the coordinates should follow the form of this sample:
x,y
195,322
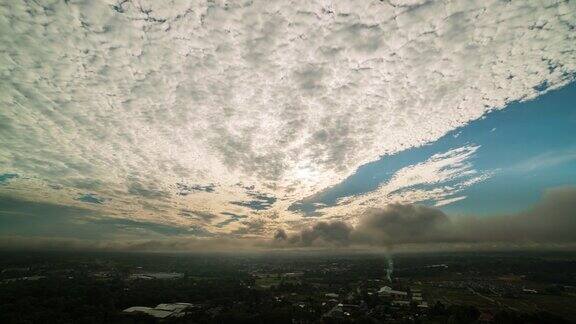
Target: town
x,y
287,288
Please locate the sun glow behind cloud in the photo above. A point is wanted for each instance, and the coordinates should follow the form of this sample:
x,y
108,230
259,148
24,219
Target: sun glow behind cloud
x,y
152,108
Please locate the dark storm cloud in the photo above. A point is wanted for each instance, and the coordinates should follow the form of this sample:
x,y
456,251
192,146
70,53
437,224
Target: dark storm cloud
x,y
336,233
398,223
552,220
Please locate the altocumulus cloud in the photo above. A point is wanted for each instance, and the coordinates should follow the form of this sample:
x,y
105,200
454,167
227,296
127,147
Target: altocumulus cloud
x,y
137,98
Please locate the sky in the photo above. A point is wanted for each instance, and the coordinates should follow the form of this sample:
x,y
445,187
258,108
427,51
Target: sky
x,y
269,124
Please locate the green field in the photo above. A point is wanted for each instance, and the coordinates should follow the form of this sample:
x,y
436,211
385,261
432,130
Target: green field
x,y
268,281
560,305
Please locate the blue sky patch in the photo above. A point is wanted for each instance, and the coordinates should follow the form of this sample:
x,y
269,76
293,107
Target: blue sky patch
x,y
527,147
91,198
6,177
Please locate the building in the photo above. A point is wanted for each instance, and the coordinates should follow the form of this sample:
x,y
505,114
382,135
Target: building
x,y
387,291
417,297
162,311
156,275
342,312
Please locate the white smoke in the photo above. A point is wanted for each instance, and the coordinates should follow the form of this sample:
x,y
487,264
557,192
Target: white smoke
x,y
390,268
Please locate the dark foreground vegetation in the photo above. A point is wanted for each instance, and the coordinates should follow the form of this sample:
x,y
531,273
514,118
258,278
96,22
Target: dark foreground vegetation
x,y
431,288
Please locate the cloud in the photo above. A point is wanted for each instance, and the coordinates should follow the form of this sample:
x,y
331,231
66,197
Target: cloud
x,y
332,233
439,179
262,202
195,244
91,198
280,235
546,160
150,192
550,221
185,189
128,99
44,220
396,224
233,218
252,226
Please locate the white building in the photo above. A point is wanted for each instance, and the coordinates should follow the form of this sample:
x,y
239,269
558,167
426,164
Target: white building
x,y
161,311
